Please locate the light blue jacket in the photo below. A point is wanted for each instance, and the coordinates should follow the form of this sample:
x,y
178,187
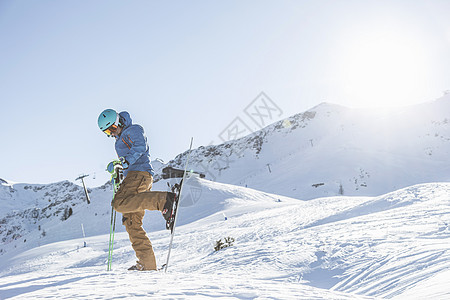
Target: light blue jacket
x,y
132,145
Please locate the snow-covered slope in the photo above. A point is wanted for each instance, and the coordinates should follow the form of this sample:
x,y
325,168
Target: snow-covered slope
x,y
332,150
354,243
34,215
392,246
327,151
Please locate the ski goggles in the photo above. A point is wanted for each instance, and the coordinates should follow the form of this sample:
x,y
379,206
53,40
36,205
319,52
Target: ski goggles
x,y
111,129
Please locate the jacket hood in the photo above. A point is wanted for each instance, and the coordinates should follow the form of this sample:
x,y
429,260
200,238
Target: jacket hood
x,y
125,118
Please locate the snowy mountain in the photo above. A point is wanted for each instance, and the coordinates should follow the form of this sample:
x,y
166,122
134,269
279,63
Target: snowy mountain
x,y
332,150
392,246
367,229
36,214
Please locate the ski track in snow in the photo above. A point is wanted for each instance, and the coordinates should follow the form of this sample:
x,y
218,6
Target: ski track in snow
x,y
326,248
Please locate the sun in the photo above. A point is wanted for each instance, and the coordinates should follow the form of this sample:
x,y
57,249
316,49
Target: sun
x,y
383,69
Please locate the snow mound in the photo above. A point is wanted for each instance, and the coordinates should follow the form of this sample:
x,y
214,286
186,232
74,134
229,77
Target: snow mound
x,y
326,248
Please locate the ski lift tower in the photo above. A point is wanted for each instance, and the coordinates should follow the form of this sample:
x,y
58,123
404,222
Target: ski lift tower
x,y
81,177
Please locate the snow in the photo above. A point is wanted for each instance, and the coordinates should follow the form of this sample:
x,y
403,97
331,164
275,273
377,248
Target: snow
x,y
332,203
325,248
366,152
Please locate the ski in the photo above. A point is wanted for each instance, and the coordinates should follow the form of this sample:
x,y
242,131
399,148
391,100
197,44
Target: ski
x,y
175,208
176,188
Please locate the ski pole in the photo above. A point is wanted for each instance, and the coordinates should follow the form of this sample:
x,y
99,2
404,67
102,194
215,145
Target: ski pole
x,y
111,231
116,179
179,199
111,239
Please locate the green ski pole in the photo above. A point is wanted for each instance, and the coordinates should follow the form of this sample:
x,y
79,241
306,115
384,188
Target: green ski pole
x,y
111,238
116,179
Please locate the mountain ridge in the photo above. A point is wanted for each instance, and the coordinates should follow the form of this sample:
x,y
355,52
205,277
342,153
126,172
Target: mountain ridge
x,y
321,152
356,147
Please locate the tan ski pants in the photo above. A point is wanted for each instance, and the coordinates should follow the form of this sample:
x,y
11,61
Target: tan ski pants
x,y
132,199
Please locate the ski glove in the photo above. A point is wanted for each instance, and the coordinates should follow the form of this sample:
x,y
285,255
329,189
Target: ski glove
x,y
124,162
110,167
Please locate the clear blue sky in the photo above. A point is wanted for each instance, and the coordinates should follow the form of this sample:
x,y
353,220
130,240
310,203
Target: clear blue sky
x,y
189,68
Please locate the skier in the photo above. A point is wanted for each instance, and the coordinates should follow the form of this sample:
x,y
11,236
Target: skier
x,y
134,195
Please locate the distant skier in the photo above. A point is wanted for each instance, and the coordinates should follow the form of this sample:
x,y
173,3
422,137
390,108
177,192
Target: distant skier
x,y
134,195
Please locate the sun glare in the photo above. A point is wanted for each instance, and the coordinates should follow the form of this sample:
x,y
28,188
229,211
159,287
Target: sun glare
x,y
383,69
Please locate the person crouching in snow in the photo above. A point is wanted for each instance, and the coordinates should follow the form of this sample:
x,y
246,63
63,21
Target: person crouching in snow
x,y
134,195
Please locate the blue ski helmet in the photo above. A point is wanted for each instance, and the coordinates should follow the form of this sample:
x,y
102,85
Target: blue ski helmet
x,y
108,121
